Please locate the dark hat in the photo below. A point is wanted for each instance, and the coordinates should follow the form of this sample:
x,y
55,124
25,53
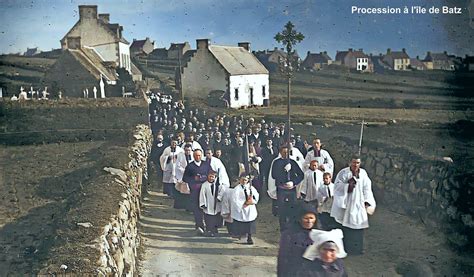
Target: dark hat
x,y
307,208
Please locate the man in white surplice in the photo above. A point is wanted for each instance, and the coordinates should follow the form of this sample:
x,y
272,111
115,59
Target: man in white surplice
x,y
168,164
353,197
326,164
218,167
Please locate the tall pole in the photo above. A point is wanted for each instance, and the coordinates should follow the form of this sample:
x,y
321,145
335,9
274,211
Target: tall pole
x,y
288,110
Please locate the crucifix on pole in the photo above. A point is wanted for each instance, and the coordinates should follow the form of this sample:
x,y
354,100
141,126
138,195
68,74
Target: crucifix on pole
x,y
289,37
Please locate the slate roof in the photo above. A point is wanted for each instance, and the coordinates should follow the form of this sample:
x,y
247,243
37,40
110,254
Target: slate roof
x,y
237,60
91,61
314,58
396,55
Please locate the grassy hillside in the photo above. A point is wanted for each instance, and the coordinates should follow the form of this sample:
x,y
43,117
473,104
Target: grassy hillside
x,y
17,71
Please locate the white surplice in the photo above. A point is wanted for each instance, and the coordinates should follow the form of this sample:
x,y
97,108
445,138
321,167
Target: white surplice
x,y
324,159
238,211
208,198
348,208
218,166
309,187
168,162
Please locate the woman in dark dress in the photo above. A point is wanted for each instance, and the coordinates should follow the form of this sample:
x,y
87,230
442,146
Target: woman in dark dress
x,y
294,243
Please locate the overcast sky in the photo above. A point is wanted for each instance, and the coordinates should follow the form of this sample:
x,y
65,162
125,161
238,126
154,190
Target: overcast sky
x,y
328,25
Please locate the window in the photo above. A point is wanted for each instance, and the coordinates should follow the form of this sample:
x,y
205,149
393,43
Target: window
x,y
236,94
264,93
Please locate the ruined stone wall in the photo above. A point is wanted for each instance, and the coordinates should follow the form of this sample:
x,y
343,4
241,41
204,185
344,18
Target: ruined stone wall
x,y
434,191
120,237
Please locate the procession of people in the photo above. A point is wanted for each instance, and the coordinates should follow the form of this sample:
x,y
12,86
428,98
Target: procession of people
x,y
219,167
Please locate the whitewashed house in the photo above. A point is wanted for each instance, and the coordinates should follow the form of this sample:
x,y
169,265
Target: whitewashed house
x,y
234,70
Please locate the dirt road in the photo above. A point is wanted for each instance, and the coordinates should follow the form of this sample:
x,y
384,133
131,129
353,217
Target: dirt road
x,y
172,247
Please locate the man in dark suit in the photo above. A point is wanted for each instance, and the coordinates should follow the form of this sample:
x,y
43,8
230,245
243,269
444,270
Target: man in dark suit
x,y
195,174
287,175
269,152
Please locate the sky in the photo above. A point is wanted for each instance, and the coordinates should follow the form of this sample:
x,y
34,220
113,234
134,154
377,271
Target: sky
x,y
328,25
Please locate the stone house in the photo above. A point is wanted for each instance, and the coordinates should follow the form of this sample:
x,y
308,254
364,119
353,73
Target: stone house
x,y
439,61
316,61
177,50
31,52
159,53
234,70
397,60
416,64
354,59
271,58
106,38
142,47
79,68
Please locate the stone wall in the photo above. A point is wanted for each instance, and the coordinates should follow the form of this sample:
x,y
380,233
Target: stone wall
x,y
435,191
120,237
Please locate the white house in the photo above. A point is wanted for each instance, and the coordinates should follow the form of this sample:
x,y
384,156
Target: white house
x,y
231,69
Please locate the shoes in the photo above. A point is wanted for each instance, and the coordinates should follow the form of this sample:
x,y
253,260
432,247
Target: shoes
x,y
200,231
250,241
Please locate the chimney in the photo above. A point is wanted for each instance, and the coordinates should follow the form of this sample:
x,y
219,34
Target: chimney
x,y
404,50
276,48
105,17
87,12
361,50
202,43
325,52
309,53
418,57
245,45
74,42
445,52
389,51
350,49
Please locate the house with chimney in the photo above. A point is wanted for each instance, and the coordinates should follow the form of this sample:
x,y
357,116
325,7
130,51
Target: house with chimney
x,y
355,59
417,64
177,50
315,61
397,60
439,61
142,47
233,70
94,52
271,58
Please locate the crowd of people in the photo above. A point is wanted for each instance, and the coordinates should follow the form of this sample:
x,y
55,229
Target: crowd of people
x,y
217,167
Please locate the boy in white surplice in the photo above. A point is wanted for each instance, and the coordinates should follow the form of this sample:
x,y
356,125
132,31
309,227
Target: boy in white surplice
x,y
244,209
209,201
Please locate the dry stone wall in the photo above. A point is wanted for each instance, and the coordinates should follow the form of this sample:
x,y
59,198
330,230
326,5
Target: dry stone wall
x,y
120,237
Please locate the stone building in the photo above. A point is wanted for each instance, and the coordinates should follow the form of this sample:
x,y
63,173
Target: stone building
x,y
78,69
355,60
30,52
94,53
177,50
234,70
106,38
271,58
397,60
142,47
316,61
439,61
